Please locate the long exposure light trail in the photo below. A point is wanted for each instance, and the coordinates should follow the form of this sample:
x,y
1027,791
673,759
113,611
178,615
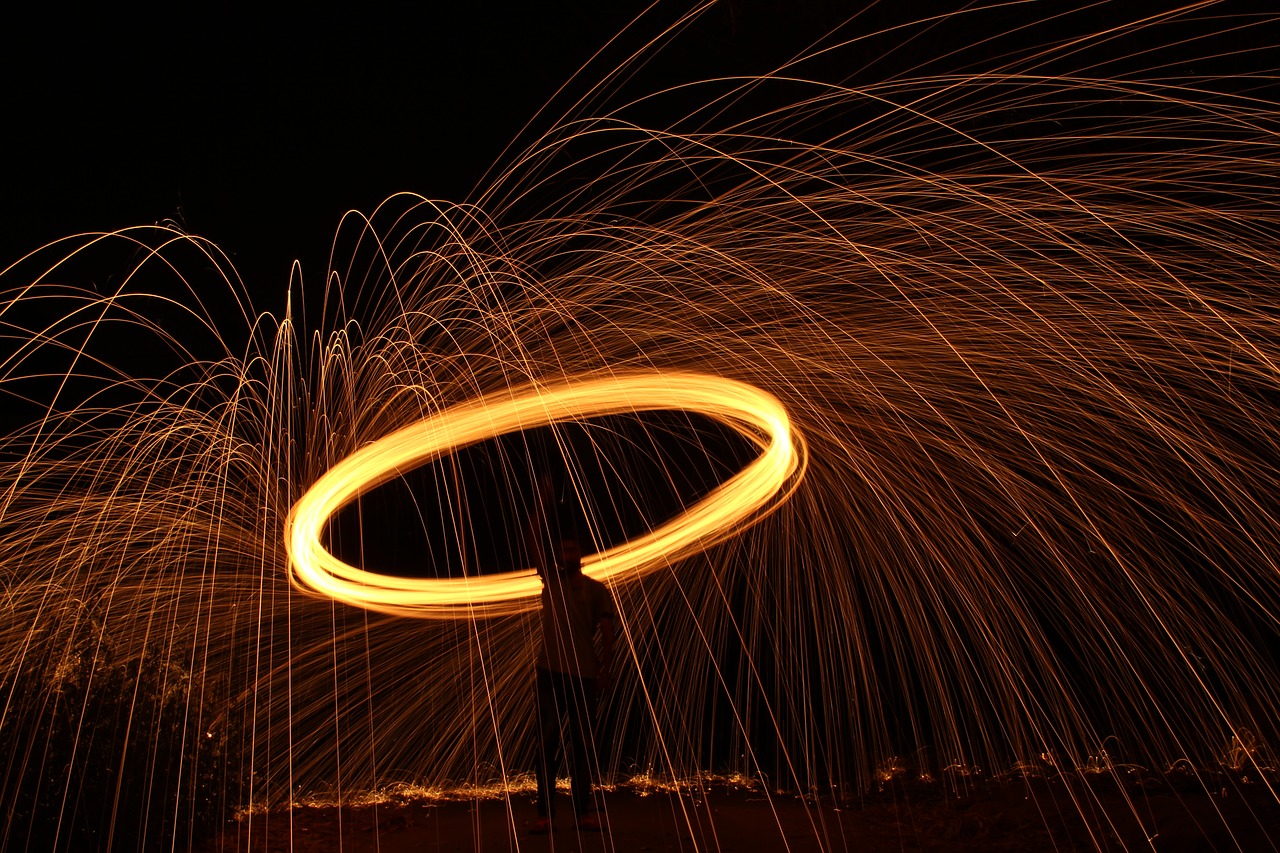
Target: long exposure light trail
x,y
754,414
989,354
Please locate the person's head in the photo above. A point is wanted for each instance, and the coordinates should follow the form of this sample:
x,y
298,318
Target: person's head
x,y
569,556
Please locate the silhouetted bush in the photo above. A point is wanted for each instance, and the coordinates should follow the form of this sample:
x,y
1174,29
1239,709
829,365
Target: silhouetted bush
x,y
102,753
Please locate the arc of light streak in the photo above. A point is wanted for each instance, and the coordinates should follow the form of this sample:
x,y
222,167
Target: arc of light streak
x,y
754,414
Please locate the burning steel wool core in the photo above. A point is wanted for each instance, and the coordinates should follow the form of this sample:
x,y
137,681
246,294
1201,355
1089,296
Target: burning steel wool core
x,y
754,414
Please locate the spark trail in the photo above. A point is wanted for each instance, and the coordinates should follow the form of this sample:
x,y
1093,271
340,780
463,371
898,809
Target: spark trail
x,y
1033,363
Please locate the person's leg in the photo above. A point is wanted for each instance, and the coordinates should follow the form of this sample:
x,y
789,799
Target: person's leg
x,y
582,714
548,722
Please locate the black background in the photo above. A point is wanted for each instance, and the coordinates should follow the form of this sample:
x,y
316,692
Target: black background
x,y
260,130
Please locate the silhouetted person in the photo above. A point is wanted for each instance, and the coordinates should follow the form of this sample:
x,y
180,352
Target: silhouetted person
x,y
569,673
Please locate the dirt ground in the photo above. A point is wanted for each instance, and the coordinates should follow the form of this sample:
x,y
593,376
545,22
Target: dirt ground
x,y
1103,812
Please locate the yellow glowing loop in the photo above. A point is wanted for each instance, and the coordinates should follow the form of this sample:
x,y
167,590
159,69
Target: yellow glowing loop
x,y
754,414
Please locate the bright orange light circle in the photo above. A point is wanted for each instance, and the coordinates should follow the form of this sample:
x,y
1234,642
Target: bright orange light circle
x,y
754,414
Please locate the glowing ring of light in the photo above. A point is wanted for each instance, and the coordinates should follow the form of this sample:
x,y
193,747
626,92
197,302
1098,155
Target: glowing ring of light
x,y
754,414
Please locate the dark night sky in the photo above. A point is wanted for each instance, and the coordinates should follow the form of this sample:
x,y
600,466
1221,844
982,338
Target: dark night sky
x,y
260,131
